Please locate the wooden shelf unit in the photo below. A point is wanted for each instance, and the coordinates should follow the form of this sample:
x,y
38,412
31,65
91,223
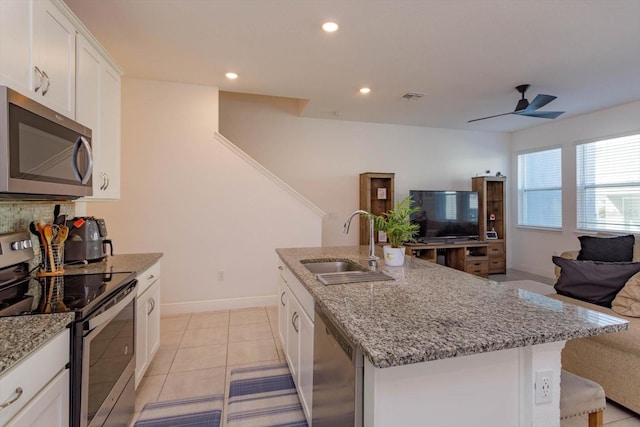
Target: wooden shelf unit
x,y
370,183
471,256
492,200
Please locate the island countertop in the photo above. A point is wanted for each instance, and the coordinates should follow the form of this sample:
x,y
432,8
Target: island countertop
x,y
431,312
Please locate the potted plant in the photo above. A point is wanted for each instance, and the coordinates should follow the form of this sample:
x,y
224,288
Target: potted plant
x,y
396,225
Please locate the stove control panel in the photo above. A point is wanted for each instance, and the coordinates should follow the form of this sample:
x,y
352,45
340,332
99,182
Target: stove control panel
x,y
15,248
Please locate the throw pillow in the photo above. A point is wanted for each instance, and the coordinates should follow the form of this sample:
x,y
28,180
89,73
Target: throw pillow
x,y
593,281
609,249
627,302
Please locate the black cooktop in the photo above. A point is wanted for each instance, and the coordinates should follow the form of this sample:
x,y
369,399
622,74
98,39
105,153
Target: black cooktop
x,y
79,293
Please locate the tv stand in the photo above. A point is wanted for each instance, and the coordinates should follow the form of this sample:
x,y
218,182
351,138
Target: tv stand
x,y
465,255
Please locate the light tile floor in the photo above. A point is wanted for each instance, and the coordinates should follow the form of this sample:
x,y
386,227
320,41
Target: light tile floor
x,y
197,352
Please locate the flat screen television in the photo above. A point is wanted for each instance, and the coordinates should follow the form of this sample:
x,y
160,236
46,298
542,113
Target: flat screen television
x,y
445,215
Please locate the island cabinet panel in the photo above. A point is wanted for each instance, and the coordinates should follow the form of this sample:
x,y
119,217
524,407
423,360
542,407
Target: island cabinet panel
x,y
495,388
295,326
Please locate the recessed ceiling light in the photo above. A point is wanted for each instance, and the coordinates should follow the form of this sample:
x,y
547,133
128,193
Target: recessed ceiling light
x,y
365,90
330,27
231,76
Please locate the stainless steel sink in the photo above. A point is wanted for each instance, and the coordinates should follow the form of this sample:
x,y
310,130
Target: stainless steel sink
x,y
339,266
352,277
342,271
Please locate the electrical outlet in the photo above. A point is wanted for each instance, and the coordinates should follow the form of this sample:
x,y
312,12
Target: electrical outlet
x,y
220,275
543,387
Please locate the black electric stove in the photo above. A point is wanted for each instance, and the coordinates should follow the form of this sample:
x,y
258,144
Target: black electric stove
x,y
24,293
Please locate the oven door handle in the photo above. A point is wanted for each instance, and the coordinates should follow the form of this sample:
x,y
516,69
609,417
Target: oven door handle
x,y
110,313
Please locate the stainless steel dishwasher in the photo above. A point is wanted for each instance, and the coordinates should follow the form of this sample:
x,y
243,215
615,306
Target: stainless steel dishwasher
x,y
338,370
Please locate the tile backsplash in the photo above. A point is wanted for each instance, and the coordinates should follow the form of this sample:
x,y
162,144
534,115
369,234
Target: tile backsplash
x,y
15,216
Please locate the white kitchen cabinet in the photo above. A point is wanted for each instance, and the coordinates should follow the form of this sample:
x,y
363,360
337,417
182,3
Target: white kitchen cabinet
x,y
38,386
15,45
282,312
298,323
54,58
38,53
148,319
50,408
98,107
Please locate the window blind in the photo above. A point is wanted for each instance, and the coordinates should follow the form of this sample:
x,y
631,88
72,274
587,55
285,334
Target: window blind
x,y
608,184
540,189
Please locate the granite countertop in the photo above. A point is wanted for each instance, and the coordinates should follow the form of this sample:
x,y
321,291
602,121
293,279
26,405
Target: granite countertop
x,y
21,335
124,263
432,312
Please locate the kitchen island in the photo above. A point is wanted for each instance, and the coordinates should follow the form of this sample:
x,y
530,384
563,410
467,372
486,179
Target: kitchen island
x,y
442,347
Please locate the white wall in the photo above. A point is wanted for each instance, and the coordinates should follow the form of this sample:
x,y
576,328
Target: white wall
x,y
189,196
531,250
322,159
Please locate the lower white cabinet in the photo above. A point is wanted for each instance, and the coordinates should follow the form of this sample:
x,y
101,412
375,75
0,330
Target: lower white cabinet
x,y
36,390
282,313
295,326
50,407
147,319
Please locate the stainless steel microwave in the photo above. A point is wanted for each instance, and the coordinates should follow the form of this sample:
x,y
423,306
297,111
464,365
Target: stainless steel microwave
x,y
43,155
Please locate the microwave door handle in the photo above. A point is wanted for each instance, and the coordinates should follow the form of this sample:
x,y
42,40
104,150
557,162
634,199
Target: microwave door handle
x,y
83,178
112,312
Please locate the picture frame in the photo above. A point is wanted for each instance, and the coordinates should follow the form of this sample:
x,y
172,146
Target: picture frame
x,y
492,235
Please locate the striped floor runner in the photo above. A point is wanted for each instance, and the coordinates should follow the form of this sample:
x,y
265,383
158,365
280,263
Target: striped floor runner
x,y
263,396
203,411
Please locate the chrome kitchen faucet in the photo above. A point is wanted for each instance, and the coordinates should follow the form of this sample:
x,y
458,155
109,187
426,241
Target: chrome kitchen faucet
x,y
372,247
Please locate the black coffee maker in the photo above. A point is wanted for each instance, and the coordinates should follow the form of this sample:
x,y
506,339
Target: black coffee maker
x,y
87,240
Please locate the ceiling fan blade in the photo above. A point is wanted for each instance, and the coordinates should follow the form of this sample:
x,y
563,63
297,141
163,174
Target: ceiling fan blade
x,y
540,114
540,101
490,117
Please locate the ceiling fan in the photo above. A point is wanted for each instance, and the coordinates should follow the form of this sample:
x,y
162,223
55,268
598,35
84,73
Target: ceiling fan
x,y
524,108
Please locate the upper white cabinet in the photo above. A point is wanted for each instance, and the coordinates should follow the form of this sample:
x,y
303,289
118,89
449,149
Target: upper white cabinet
x,y
47,54
98,107
15,45
37,53
54,58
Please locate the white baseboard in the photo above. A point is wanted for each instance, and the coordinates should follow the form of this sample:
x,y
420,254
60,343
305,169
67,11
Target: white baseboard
x,y
217,305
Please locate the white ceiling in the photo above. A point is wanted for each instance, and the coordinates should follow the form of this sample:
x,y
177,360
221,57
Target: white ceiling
x,y
465,55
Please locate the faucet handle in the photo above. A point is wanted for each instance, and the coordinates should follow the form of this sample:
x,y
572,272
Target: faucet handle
x,y
373,264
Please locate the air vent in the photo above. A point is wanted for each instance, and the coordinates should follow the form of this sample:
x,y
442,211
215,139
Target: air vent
x,y
412,95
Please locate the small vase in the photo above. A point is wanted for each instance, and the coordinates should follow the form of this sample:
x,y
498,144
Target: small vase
x,y
393,257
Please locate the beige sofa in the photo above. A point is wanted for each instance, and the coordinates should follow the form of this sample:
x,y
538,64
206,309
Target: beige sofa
x,y
612,360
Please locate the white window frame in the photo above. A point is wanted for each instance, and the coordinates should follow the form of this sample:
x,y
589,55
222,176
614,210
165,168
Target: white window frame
x,y
521,190
583,184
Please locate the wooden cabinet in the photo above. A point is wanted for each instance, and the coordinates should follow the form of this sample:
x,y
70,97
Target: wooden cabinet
x,y
38,386
472,257
98,107
376,196
147,319
297,323
492,210
37,53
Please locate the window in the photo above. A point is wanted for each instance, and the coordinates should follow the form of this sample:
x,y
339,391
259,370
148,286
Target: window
x,y
540,189
608,184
